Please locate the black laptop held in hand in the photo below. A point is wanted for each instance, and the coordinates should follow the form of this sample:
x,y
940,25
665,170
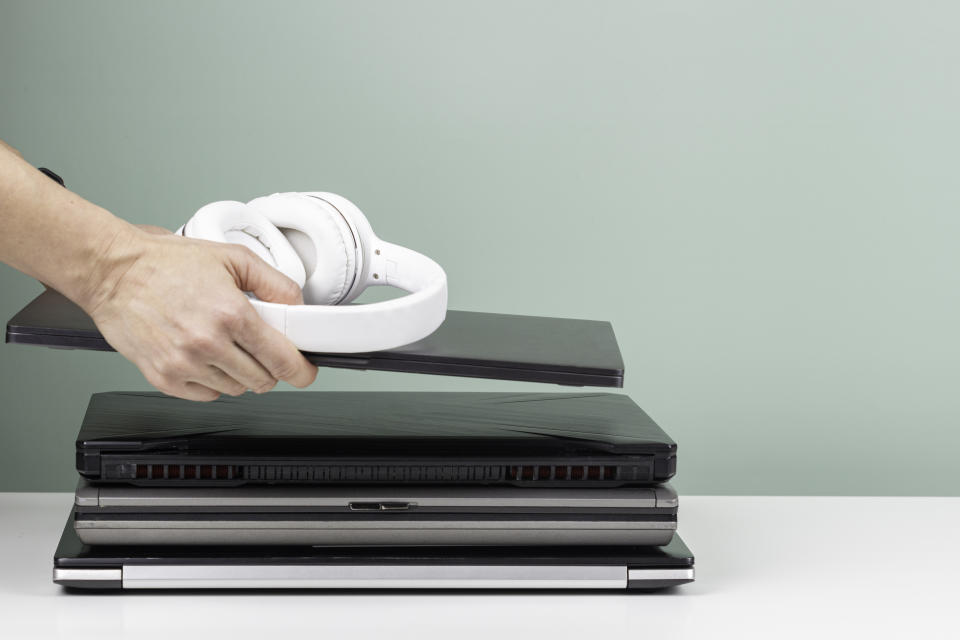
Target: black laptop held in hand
x,y
524,439
468,343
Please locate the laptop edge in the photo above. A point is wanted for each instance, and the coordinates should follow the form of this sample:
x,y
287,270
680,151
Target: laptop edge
x,y
112,568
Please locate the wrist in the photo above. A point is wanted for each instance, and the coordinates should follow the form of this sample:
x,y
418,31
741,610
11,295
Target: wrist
x,y
111,255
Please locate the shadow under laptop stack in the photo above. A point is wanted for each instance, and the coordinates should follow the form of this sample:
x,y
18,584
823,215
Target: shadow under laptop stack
x,y
383,490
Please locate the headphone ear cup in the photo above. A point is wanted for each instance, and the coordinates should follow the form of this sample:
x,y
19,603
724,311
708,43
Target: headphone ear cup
x,y
236,223
322,239
367,242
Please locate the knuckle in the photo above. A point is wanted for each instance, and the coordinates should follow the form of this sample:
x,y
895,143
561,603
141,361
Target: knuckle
x,y
173,368
159,382
290,287
285,369
202,344
164,371
222,316
241,253
235,389
233,316
168,387
265,386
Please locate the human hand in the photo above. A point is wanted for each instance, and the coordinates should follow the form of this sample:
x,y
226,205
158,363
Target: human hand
x,y
175,308
155,230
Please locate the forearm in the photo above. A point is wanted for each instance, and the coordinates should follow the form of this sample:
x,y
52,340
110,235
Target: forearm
x,y
173,306
58,237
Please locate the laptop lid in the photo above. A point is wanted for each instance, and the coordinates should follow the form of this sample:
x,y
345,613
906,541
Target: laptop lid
x,y
468,343
527,439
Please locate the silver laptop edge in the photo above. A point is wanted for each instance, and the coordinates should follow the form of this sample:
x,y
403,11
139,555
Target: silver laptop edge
x,y
663,496
372,577
563,533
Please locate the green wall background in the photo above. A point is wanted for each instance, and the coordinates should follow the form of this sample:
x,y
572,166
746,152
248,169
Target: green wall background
x,y
762,197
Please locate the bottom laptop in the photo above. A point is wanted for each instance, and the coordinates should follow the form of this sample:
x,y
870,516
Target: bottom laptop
x,y
376,516
277,567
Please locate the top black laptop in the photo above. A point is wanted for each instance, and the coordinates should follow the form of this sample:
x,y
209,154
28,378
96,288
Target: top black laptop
x,y
471,344
542,439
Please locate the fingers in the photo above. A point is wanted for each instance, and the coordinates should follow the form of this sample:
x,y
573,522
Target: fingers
x,y
236,351
273,350
177,384
186,390
216,362
239,367
196,392
214,378
268,284
234,373
266,345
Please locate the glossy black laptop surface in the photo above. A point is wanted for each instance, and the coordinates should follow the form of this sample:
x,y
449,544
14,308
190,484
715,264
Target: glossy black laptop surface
x,y
527,439
224,567
471,344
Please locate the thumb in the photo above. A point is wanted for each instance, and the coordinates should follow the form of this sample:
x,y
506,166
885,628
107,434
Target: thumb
x,y
264,281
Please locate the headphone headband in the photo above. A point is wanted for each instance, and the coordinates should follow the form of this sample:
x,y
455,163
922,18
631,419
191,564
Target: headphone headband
x,y
358,328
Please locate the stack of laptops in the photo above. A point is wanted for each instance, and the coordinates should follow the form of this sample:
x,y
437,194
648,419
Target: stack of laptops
x,y
381,490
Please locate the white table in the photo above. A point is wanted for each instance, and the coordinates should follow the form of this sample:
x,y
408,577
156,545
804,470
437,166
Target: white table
x,y
767,567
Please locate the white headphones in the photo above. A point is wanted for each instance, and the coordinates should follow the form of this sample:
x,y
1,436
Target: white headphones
x,y
324,243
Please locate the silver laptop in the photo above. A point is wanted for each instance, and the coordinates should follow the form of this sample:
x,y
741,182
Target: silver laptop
x,y
375,516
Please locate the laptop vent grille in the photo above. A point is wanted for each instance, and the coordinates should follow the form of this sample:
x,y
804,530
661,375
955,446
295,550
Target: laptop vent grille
x,y
553,473
378,473
373,473
188,472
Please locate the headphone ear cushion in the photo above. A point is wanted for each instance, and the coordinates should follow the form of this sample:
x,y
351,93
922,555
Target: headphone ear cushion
x,y
322,239
236,223
366,241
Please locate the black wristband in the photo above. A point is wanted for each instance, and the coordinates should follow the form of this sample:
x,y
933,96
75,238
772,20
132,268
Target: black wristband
x,y
52,176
